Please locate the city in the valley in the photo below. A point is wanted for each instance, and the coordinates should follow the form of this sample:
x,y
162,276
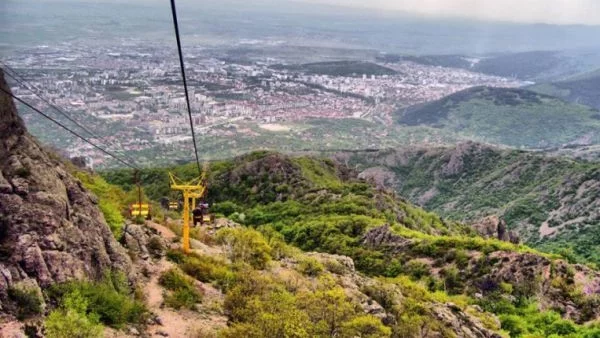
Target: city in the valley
x,y
132,96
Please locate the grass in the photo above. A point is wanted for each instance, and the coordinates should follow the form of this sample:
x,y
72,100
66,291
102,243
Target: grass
x,y
111,200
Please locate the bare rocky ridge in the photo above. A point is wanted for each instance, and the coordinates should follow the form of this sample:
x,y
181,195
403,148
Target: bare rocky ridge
x,y
51,229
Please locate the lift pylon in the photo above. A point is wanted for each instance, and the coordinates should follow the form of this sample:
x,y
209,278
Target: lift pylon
x,y
191,190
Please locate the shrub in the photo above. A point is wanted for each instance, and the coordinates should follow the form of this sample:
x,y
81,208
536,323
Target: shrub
x,y
111,200
417,269
328,310
365,327
226,208
110,299
72,319
182,298
334,266
155,247
209,270
176,256
173,279
29,300
183,292
246,245
452,280
384,294
310,267
507,288
113,217
279,248
23,172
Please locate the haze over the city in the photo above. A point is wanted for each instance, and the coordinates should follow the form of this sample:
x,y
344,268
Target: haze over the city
x,y
572,12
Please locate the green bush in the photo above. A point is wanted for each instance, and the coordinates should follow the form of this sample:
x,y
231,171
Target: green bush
x,y
72,319
328,309
334,266
182,298
183,293
226,208
365,327
176,256
246,245
417,269
514,324
28,300
173,279
155,247
23,172
111,299
208,270
310,267
452,280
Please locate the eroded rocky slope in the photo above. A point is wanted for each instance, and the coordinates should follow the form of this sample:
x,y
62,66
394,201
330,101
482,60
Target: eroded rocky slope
x,y
51,229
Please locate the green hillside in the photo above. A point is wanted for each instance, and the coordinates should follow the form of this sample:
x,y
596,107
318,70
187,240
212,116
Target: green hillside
x,y
528,190
318,205
582,89
513,117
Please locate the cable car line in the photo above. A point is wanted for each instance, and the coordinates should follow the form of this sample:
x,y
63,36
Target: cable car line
x,y
21,81
68,129
185,87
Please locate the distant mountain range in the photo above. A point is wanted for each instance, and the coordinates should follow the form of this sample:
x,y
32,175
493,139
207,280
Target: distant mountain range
x,y
512,117
538,66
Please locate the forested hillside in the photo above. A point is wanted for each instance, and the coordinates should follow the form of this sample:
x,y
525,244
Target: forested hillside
x,y
506,116
551,202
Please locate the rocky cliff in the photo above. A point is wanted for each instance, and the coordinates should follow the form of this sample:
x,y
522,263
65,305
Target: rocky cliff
x,y
51,229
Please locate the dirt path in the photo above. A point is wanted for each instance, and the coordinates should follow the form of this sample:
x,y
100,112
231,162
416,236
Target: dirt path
x,y
174,323
165,232
11,329
181,323
171,323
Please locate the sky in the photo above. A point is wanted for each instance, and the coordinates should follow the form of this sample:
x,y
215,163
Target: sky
x,y
586,12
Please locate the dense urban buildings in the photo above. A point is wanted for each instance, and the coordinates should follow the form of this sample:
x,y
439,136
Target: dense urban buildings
x,y
132,95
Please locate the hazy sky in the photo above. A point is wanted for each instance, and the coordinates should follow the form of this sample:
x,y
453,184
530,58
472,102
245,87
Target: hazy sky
x,y
530,11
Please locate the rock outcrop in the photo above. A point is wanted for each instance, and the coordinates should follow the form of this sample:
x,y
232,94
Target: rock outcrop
x,y
495,227
461,322
384,237
571,289
51,229
144,242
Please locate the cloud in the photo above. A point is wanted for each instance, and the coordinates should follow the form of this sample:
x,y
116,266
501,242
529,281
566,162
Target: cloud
x,y
585,12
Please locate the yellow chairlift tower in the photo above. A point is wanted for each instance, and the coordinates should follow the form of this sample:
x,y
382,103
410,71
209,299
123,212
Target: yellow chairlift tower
x,y
191,190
